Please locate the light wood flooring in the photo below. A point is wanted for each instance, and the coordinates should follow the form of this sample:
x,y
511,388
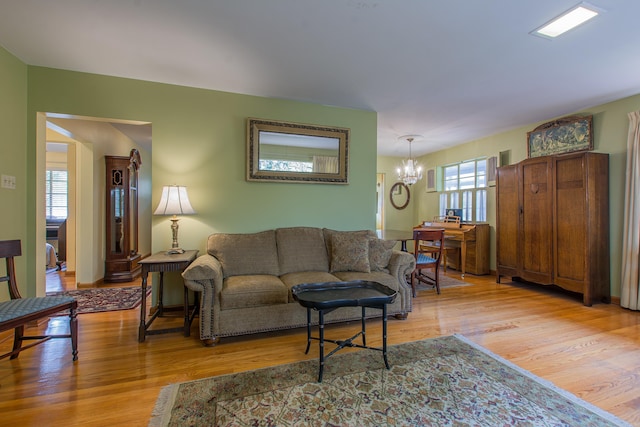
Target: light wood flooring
x,y
593,352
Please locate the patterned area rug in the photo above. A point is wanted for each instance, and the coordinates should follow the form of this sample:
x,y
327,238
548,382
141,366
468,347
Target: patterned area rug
x,y
447,381
445,282
95,300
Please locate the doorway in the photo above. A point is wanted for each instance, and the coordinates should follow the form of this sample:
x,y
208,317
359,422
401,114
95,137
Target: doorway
x,y
88,140
58,200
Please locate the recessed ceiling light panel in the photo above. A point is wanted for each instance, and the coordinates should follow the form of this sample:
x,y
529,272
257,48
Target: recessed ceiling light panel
x,y
577,15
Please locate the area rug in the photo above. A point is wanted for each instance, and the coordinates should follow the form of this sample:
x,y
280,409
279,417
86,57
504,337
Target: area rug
x,y
445,282
95,300
448,381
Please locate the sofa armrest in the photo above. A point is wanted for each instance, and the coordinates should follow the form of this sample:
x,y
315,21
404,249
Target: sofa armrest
x,y
205,267
401,265
204,275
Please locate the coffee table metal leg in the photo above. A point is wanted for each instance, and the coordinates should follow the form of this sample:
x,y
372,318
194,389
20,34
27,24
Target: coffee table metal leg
x,y
321,333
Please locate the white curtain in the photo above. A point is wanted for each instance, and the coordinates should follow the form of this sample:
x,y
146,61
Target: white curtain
x,y
325,164
630,286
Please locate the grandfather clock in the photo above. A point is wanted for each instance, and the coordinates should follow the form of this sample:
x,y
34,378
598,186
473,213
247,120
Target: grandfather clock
x,y
121,264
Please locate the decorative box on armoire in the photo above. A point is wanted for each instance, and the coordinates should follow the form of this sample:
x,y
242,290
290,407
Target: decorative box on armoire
x,y
552,223
121,263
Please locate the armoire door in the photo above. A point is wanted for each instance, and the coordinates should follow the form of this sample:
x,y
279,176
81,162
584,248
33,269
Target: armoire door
x,y
582,225
536,221
571,223
507,221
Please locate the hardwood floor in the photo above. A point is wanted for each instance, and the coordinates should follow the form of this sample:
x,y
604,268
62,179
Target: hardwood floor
x,y
593,352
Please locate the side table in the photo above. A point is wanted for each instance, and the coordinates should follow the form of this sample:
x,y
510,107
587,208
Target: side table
x,y
162,262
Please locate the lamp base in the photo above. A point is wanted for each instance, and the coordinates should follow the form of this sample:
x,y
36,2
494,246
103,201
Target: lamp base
x,y
175,251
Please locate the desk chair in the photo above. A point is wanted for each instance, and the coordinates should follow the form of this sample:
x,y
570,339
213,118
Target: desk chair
x,y
449,248
18,311
427,258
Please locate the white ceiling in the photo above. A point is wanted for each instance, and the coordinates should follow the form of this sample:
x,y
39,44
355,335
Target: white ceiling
x,y
450,70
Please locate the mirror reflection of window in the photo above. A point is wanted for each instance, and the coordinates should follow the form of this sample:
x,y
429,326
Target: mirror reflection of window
x,y
285,166
285,152
325,164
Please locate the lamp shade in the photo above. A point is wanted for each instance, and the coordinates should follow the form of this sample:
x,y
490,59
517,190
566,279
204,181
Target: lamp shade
x,y
174,201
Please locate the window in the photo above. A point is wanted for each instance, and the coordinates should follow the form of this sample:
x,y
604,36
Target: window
x,y
56,193
465,187
285,166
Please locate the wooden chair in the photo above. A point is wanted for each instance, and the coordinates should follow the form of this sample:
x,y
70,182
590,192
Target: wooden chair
x,y
427,258
18,311
449,248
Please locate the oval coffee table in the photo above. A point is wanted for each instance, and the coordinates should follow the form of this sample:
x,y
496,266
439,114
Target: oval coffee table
x,y
326,297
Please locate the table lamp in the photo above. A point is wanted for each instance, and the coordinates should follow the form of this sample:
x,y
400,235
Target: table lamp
x,y
174,201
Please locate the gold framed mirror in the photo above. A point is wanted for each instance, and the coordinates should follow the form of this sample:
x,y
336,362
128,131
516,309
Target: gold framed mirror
x,y
280,151
399,195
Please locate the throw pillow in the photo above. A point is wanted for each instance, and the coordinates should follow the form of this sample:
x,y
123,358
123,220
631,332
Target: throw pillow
x,y
328,236
380,253
350,252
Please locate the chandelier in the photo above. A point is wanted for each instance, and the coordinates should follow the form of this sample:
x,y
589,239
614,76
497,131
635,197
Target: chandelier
x,y
411,171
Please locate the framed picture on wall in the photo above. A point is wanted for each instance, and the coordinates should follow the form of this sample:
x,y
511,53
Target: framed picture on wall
x,y
564,135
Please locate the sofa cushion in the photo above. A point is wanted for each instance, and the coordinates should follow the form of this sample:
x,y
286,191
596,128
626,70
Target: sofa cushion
x,y
380,253
292,279
301,249
254,253
350,252
252,291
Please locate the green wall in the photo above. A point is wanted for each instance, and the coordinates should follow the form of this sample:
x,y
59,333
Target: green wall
x,y
199,141
13,161
610,126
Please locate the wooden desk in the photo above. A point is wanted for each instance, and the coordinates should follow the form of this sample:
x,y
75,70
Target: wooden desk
x,y
473,240
161,262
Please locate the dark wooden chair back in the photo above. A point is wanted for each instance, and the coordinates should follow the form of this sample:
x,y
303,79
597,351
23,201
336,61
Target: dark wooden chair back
x,y
8,250
428,244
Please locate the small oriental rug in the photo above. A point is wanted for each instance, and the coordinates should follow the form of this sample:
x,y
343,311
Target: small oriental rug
x,y
445,282
447,381
94,300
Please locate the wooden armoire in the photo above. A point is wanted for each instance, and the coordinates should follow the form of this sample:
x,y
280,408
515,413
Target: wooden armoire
x,y
552,223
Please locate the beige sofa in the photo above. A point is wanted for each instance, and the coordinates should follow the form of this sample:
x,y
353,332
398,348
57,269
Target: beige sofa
x,y
244,281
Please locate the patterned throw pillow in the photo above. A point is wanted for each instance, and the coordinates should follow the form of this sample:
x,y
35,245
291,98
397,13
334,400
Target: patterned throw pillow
x,y
328,236
380,253
350,252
